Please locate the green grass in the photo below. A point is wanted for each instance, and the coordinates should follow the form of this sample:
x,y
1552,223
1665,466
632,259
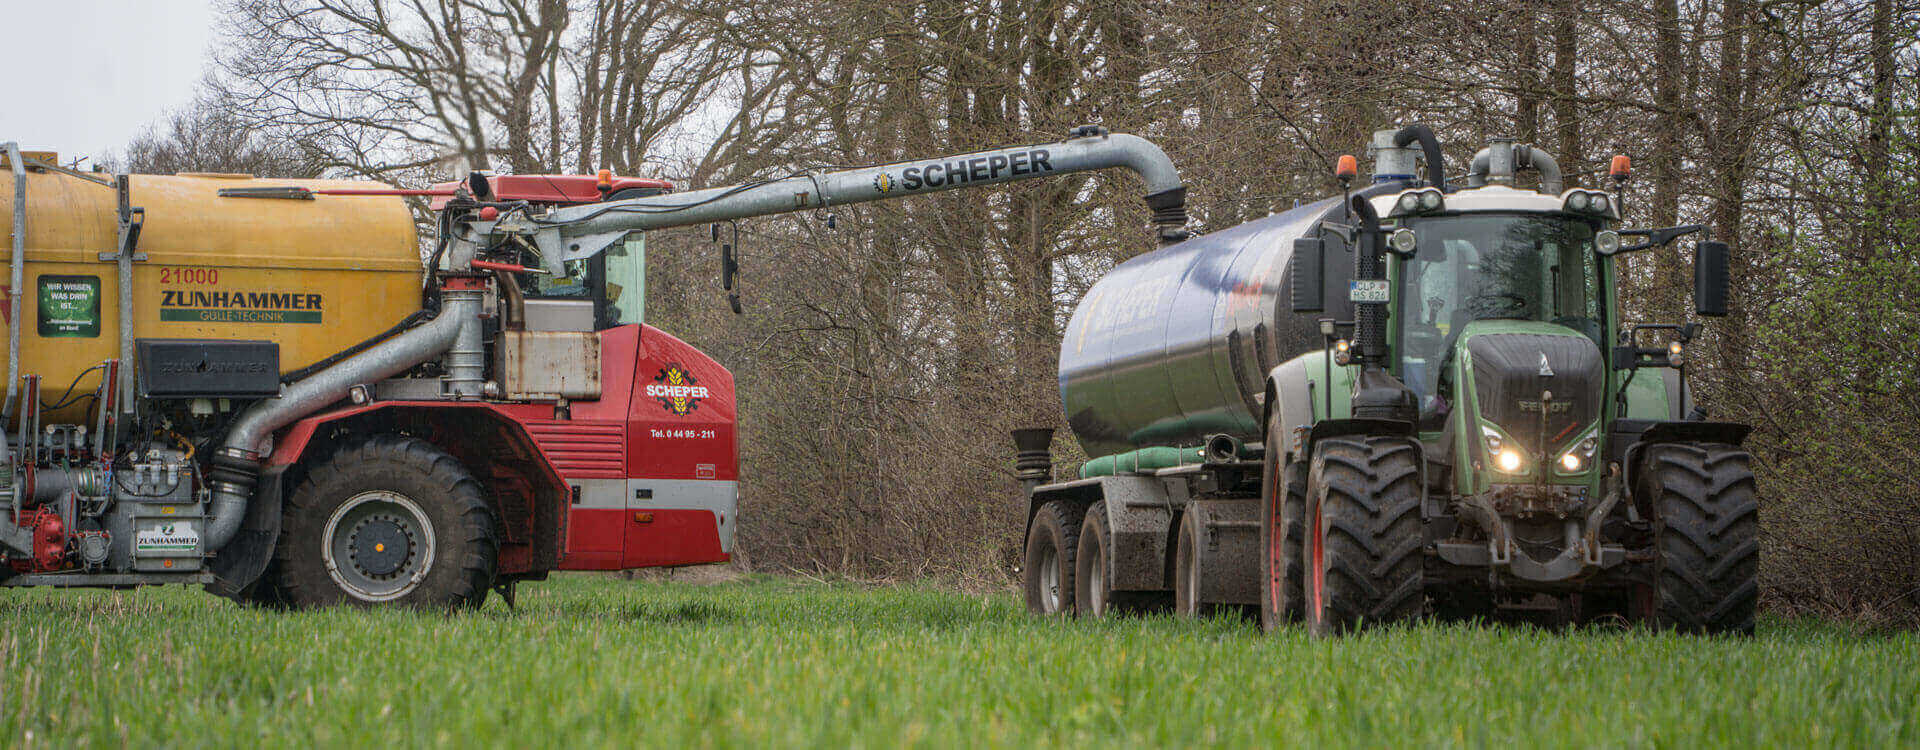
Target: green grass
x,y
774,662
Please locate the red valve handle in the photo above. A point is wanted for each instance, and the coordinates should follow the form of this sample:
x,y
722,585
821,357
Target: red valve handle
x,y
487,265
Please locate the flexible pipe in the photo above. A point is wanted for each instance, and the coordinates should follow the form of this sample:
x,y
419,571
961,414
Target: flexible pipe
x,y
238,458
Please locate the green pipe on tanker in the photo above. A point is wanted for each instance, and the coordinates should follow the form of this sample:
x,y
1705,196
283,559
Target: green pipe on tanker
x,y
1144,459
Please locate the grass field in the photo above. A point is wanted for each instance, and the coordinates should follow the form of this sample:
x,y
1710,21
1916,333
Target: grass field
x,y
774,662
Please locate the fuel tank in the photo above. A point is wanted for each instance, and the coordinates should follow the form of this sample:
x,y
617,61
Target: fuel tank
x,y
1174,345
313,276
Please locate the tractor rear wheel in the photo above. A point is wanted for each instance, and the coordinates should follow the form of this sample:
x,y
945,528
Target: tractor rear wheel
x,y
1362,559
1706,536
1053,541
1283,511
387,520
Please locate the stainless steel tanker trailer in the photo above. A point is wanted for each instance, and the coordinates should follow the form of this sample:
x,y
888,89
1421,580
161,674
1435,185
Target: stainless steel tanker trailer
x,y
1411,399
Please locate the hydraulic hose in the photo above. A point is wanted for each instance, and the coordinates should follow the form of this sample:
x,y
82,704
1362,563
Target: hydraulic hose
x,y
1429,147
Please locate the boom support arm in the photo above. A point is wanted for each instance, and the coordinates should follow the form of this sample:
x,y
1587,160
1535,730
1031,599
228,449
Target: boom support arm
x,y
578,232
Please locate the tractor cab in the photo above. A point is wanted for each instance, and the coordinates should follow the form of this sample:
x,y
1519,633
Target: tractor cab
x,y
590,294
1495,260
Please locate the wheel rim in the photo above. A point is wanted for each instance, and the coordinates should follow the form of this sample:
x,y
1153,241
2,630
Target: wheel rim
x,y
1190,598
1050,578
1317,545
1097,583
378,546
1276,549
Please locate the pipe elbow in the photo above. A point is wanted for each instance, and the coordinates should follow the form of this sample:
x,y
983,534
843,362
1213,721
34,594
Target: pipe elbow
x,y
1477,172
1549,169
1430,150
1147,159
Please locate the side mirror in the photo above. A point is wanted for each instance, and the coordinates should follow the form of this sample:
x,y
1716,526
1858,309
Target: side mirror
x,y
1308,270
1710,279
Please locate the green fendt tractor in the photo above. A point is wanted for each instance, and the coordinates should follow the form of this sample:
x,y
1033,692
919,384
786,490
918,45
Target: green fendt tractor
x,y
1406,400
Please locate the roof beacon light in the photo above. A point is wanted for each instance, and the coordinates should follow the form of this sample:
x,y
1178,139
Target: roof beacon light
x,y
1621,167
1346,167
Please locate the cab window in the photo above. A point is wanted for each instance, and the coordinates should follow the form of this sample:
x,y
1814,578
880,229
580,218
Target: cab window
x,y
614,280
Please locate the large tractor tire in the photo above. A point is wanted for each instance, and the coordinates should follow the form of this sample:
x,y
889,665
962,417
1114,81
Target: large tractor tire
x,y
1362,559
1706,537
265,592
387,520
1053,542
1283,513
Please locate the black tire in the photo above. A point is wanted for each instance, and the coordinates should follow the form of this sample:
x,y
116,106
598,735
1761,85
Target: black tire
x,y
1706,538
1283,511
1053,541
381,491
1186,573
265,592
1366,535
1093,594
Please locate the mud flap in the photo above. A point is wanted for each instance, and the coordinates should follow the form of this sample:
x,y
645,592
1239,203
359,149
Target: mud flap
x,y
237,566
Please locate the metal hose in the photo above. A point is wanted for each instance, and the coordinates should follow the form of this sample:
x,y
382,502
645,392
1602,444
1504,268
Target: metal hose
x,y
237,462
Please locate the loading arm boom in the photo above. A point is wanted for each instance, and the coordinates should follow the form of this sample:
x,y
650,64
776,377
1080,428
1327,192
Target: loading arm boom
x,y
577,232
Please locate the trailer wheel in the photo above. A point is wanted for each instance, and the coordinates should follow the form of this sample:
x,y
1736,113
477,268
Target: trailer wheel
x,y
1052,543
1362,554
1706,536
1092,585
1283,513
1186,570
387,520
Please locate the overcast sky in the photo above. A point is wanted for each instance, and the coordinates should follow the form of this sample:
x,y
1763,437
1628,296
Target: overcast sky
x,y
83,77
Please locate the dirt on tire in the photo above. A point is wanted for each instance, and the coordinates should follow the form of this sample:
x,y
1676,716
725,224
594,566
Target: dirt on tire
x,y
465,542
1364,518
1706,536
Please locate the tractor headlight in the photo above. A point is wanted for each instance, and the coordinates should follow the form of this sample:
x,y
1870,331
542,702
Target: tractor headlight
x,y
1606,242
1342,352
1506,458
1588,202
1403,241
1579,457
1418,202
1508,461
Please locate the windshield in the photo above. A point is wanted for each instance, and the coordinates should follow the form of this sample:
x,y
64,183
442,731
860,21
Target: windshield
x,y
1492,266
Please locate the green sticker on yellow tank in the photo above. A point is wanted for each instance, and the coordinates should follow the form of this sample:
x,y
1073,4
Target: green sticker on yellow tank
x,y
69,306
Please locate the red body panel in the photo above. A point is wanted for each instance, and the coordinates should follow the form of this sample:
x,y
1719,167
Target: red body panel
x,y
682,428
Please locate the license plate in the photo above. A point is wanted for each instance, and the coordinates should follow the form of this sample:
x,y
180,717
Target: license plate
x,y
1367,291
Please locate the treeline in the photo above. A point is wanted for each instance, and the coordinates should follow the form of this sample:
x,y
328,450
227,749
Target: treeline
x,y
889,348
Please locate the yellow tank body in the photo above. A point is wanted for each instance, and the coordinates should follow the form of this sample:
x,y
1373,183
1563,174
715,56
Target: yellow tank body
x,y
314,276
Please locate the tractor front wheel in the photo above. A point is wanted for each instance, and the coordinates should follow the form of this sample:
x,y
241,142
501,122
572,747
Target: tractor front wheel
x,y
1706,535
1362,559
387,520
